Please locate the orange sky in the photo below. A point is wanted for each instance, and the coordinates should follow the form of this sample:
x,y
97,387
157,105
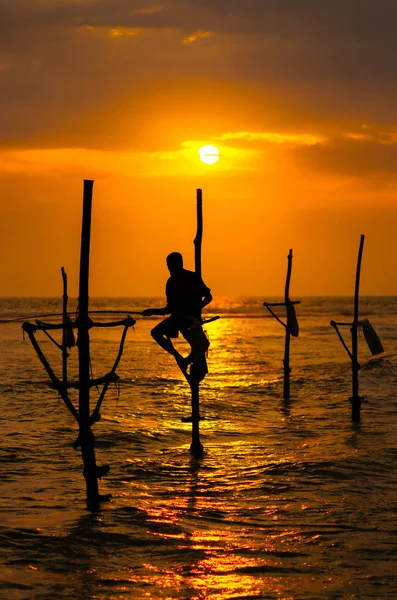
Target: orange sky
x,y
300,102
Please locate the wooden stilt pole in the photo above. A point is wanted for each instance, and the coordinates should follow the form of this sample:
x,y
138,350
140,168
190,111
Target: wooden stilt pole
x,y
287,370
86,436
196,447
83,324
356,399
64,331
291,325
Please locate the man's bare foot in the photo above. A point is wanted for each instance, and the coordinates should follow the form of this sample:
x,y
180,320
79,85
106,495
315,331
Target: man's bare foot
x,y
182,363
199,368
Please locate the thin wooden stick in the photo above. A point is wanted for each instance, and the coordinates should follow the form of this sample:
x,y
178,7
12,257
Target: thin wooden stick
x,y
41,325
59,346
274,314
56,384
356,399
91,312
335,326
95,414
127,322
108,378
199,233
267,304
291,325
64,331
287,370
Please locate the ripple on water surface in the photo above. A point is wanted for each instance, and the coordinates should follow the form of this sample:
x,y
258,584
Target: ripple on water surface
x,y
290,501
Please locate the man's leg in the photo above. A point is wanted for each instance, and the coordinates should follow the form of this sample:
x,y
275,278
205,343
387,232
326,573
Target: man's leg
x,y
199,345
188,337
162,334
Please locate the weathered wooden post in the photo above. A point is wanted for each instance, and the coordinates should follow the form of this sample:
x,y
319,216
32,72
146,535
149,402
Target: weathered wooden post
x,y
291,326
287,370
64,330
371,337
356,399
86,436
83,324
196,447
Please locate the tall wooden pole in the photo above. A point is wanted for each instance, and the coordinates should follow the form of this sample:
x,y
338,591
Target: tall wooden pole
x,y
356,399
196,447
64,331
199,233
286,392
86,435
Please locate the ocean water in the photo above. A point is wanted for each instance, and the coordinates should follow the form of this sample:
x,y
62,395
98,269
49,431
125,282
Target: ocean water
x,y
291,500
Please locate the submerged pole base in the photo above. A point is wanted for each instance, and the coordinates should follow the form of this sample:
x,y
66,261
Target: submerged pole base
x,y
356,408
196,449
94,504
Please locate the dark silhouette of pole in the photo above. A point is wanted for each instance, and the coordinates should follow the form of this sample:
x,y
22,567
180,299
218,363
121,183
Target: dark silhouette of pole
x,y
196,447
86,437
64,331
356,399
287,370
291,325
371,337
83,324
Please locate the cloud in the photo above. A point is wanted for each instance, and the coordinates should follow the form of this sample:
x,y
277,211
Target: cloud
x,y
84,64
196,35
291,139
360,155
122,31
370,133
149,10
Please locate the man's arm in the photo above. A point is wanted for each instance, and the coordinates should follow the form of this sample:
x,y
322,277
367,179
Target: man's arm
x,y
150,312
207,297
166,310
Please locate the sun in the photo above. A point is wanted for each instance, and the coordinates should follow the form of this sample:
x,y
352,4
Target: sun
x,y
209,154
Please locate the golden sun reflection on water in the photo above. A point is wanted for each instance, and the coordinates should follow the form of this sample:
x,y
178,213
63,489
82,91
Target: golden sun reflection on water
x,y
214,554
228,525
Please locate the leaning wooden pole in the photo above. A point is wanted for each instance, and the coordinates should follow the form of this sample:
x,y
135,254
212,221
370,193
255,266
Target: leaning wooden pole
x,y
287,370
356,399
196,447
86,436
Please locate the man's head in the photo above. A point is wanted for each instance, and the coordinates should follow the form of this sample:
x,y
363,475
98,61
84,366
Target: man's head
x,y
175,262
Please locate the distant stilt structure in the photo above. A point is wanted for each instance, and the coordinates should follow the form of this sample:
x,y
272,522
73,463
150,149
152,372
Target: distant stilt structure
x,y
373,341
83,324
291,326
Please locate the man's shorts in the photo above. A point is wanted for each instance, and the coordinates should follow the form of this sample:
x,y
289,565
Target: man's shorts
x,y
171,326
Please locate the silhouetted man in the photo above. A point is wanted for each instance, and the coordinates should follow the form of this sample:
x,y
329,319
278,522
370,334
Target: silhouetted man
x,y
186,297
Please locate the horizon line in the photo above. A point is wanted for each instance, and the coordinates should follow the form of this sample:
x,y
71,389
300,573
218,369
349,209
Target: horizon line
x,y
214,297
